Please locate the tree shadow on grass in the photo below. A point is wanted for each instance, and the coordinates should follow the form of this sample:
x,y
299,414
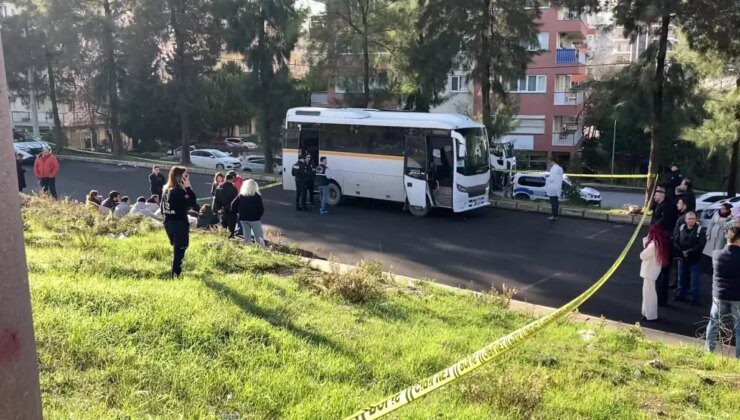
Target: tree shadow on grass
x,y
277,319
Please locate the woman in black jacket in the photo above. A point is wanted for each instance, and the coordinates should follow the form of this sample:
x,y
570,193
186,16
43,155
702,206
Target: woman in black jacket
x,y
249,206
177,199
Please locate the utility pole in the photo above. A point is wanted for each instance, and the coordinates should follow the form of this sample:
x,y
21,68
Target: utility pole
x,y
614,142
19,377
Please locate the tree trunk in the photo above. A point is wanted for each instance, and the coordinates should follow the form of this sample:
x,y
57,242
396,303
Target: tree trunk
x,y
365,62
181,80
656,132
94,134
19,377
59,137
485,72
33,104
110,62
732,176
185,131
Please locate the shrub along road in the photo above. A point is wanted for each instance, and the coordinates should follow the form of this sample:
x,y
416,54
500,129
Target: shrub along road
x,y
548,263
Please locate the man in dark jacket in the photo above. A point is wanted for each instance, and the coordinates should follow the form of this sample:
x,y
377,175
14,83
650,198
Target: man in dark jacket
x,y
114,197
156,181
300,172
681,209
674,180
225,194
664,214
686,193
726,289
689,241
21,172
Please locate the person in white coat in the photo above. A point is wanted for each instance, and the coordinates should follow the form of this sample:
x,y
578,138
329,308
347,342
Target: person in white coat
x,y
554,187
655,255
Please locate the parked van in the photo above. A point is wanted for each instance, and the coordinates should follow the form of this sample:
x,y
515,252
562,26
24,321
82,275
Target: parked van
x,y
531,186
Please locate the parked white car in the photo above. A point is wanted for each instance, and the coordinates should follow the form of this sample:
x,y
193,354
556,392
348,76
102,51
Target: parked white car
x,y
212,158
30,146
257,164
531,186
25,156
708,199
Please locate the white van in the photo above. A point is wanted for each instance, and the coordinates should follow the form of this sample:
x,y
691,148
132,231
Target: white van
x,y
531,186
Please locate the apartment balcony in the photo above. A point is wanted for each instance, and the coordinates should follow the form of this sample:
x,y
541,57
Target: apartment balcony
x,y
568,97
569,56
572,22
24,118
567,138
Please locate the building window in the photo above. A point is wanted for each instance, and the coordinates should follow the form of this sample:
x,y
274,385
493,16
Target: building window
x,y
528,124
458,84
542,44
245,128
530,84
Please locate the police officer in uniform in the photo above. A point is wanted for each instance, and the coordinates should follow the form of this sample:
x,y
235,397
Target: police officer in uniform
x,y
310,181
300,172
177,199
322,181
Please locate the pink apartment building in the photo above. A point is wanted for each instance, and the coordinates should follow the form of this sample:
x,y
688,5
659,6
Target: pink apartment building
x,y
549,121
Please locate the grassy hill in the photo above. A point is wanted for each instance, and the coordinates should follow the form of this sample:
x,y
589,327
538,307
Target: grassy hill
x,y
249,333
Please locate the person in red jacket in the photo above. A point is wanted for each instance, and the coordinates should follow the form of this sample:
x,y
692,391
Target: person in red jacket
x,y
46,169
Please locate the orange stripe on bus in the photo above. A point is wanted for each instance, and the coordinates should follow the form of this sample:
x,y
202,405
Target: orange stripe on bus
x,y
350,154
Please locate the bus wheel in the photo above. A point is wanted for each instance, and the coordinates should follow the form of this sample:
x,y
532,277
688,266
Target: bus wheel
x,y
335,195
418,211
521,196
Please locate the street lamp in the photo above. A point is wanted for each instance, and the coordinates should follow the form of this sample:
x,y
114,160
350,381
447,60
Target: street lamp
x,y
614,132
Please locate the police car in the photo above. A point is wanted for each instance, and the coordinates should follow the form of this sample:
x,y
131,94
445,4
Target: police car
x,y
531,186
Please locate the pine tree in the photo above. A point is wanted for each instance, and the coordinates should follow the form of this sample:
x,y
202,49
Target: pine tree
x,y
265,32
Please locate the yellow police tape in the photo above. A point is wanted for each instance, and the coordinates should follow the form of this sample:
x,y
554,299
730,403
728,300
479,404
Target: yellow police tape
x,y
628,176
492,350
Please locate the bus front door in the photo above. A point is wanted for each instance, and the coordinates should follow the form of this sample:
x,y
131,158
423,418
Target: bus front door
x,y
415,173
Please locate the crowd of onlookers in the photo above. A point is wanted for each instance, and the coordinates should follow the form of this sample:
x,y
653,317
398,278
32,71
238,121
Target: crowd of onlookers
x,y
676,239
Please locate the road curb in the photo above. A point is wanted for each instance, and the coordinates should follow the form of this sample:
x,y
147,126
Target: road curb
x,y
525,307
531,207
163,165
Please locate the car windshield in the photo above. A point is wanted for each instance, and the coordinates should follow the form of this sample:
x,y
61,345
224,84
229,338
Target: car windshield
x,y
476,159
218,153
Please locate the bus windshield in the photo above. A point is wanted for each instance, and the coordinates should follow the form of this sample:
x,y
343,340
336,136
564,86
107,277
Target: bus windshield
x,y
476,158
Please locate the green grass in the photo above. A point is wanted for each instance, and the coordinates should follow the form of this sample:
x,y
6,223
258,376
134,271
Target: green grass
x,y
248,333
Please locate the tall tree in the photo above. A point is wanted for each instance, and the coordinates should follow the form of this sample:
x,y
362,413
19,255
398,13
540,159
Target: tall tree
x,y
713,26
265,32
111,17
59,30
627,98
352,28
192,32
226,98
424,53
653,17
496,33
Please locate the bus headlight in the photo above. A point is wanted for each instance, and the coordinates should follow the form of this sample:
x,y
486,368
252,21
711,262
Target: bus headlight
x,y
462,188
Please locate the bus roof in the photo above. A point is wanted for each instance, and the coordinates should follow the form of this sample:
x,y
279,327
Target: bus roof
x,y
359,116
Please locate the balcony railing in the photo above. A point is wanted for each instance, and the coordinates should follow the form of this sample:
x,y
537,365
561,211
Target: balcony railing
x,y
565,14
567,139
568,97
570,56
24,117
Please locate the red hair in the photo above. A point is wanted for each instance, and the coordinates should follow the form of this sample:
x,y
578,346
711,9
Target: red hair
x,y
656,234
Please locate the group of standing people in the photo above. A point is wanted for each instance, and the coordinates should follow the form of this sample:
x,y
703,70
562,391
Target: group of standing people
x,y
675,234
307,178
45,169
234,199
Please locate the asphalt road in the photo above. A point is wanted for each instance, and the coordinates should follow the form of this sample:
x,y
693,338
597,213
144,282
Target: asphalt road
x,y
548,263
